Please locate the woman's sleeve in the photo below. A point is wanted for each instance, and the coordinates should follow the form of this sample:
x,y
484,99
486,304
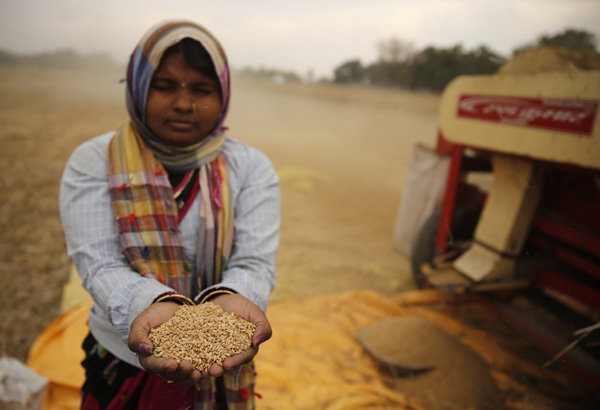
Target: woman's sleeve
x,y
251,268
93,240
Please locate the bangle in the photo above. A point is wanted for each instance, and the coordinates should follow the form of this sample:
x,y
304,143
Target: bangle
x,y
175,297
215,293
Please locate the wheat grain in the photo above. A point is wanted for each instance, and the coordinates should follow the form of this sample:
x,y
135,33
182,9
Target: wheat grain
x,y
203,334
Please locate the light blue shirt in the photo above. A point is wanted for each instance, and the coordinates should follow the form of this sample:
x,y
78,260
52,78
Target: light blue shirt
x,y
120,293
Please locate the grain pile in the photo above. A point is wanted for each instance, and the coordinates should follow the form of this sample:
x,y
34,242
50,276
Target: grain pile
x,y
460,379
203,334
551,59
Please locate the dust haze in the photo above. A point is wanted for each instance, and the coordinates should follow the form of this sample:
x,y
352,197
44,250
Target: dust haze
x,y
341,153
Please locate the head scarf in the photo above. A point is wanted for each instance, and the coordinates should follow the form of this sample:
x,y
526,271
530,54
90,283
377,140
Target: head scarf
x,y
141,194
142,65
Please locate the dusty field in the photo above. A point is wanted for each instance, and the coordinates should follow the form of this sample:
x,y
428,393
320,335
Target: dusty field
x,y
342,155
43,116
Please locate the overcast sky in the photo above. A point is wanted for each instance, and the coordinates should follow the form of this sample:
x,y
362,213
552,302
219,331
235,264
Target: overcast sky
x,y
298,35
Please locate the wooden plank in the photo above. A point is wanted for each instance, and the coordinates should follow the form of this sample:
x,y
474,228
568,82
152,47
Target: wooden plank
x,y
511,204
450,279
480,263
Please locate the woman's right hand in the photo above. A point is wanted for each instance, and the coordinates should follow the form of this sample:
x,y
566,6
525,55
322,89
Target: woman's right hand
x,y
139,343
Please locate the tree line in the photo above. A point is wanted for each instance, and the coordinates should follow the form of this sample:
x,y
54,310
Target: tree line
x,y
398,65
432,68
60,59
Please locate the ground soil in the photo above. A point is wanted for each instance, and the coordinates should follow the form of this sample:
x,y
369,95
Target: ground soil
x,y
342,155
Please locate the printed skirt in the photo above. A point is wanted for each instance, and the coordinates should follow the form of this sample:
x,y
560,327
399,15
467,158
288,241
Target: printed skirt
x,y
112,384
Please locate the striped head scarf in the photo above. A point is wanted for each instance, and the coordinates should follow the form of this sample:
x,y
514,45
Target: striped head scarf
x,y
138,165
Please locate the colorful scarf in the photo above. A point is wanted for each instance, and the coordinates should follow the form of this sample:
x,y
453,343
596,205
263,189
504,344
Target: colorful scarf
x,y
141,194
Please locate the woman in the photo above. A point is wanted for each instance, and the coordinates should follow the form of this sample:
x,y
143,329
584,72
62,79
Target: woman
x,y
165,211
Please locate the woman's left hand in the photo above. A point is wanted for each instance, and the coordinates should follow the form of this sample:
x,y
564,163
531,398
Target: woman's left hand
x,y
139,343
244,308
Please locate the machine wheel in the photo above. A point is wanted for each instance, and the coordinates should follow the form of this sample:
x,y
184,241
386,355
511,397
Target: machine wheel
x,y
463,228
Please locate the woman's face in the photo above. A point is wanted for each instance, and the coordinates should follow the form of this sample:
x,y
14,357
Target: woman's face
x,y
183,104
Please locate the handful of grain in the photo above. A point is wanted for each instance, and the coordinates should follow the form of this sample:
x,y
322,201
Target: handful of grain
x,y
203,334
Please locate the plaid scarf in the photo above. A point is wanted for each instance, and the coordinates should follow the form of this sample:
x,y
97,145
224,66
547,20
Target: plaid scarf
x,y
140,191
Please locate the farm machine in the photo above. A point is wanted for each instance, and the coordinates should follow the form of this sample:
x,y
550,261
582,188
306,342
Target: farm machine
x,y
519,213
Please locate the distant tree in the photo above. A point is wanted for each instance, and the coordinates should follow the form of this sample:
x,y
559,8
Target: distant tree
x,y
434,68
8,58
385,74
392,68
350,72
431,69
395,50
482,60
570,38
61,59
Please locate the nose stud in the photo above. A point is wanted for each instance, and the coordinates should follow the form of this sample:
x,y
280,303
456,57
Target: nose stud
x,y
183,83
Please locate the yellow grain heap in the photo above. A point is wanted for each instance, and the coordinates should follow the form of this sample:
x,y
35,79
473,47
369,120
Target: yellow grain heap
x,y
551,59
203,334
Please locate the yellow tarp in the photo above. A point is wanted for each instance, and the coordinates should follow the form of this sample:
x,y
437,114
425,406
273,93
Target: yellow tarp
x,y
313,360
57,354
